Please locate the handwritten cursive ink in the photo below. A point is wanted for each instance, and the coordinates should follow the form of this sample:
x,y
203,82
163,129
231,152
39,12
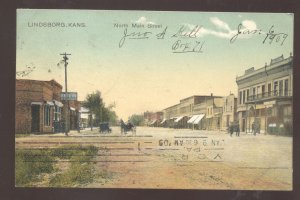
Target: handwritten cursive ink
x,y
241,31
133,35
187,47
162,34
183,32
271,35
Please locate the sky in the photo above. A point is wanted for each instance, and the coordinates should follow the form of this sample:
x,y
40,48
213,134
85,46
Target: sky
x,y
144,74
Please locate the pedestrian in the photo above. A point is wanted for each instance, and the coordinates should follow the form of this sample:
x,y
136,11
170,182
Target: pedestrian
x,y
231,130
238,130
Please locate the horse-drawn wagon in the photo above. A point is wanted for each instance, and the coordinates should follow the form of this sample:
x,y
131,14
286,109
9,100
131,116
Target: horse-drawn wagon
x,y
127,127
104,127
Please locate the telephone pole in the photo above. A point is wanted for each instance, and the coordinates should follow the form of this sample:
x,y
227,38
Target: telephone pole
x,y
65,58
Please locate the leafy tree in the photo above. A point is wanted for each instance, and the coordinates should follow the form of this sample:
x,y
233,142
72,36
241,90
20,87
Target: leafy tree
x,y
95,104
137,120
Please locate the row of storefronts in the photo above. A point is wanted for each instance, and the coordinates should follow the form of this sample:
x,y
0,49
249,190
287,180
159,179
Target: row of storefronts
x,y
41,107
264,103
203,112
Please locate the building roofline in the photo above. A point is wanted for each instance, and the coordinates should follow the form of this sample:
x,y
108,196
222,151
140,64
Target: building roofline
x,y
42,81
200,96
273,64
191,97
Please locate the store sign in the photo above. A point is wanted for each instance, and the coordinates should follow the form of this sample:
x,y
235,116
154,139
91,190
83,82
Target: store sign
x,y
269,103
68,96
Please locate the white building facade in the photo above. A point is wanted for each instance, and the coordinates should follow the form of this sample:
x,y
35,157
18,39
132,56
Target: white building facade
x,y
265,97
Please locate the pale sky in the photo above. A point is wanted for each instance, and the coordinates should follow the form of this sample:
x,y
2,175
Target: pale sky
x,y
145,74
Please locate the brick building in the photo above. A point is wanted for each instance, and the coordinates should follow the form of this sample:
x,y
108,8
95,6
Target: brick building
x,y
153,118
73,113
38,105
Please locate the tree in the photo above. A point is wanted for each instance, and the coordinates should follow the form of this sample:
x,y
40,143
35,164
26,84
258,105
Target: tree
x,y
95,104
110,116
137,120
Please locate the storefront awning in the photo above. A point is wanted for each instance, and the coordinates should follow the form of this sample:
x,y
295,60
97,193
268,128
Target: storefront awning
x,y
71,108
84,110
259,106
153,122
192,119
57,103
84,116
179,118
163,121
198,119
36,103
50,103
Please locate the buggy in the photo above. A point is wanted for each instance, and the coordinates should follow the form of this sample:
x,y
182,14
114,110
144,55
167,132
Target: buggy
x,y
127,127
104,127
234,127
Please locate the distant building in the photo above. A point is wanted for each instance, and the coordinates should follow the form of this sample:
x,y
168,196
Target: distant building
x,y
38,106
153,118
200,112
84,117
214,113
229,111
265,97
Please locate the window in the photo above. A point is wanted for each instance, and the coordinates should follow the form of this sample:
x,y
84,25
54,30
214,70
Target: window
x,y
57,113
247,95
281,88
47,115
275,88
287,111
269,89
244,96
258,90
253,93
263,90
263,112
286,87
240,97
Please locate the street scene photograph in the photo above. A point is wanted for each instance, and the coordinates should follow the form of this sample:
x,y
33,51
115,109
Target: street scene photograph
x,y
154,100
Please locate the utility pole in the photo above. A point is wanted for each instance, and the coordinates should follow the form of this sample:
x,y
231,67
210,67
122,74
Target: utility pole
x,y
65,58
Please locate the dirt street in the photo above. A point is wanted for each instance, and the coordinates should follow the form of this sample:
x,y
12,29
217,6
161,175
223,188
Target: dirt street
x,y
182,158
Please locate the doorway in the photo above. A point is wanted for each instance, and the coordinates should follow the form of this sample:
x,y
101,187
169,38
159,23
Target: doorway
x,y
243,125
35,118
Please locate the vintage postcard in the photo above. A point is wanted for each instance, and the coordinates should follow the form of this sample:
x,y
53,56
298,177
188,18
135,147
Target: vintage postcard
x,y
148,99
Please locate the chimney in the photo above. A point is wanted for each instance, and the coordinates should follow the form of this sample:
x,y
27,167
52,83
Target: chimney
x,y
211,94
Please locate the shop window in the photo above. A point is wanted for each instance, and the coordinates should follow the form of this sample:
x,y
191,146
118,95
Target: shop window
x,y
57,113
287,111
263,112
47,115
